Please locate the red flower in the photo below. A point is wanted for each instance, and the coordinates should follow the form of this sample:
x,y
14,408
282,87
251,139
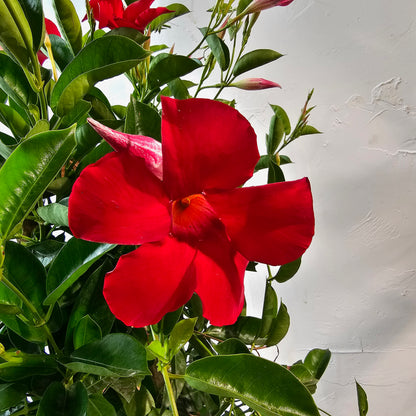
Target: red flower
x,y
196,226
51,29
112,14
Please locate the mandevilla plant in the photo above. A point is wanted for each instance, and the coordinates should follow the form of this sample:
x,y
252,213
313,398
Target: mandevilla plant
x,y
126,231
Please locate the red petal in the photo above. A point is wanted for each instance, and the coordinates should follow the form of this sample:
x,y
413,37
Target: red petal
x,y
151,281
149,15
117,200
220,280
206,145
141,146
272,224
134,9
51,28
41,57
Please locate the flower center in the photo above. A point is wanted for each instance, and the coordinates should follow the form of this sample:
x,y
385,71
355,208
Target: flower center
x,y
193,218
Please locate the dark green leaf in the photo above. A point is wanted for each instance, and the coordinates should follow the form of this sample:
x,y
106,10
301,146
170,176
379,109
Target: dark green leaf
x,y
27,173
71,263
14,82
56,214
287,271
265,386
316,361
80,111
69,22
362,400
177,9
178,89
101,107
98,406
46,250
130,33
279,327
231,346
305,376
269,310
34,15
58,401
62,54
281,114
263,163
115,355
13,120
140,404
142,119
242,5
254,59
275,173
219,49
86,331
10,395
87,139
101,59
275,136
180,335
166,67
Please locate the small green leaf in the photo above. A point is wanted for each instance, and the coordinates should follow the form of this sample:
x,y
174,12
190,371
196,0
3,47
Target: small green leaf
x,y
177,10
79,112
317,361
13,120
269,310
86,331
279,327
166,67
275,173
180,335
254,59
10,395
98,406
58,401
101,59
281,114
28,171
115,355
219,49
56,214
309,130
362,400
34,15
275,136
242,5
71,263
231,346
287,271
69,23
142,119
305,376
263,385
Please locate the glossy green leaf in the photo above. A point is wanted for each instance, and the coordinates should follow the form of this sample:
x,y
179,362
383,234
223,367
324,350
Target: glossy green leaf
x,y
115,355
254,59
142,119
231,346
263,385
263,162
219,49
71,263
275,136
180,335
87,139
34,15
40,127
15,32
69,22
20,365
279,327
10,395
86,331
178,89
275,173
46,250
269,310
166,67
56,214
5,151
281,114
130,33
317,361
100,106
62,53
309,130
14,82
362,400
27,173
13,120
287,271
305,376
78,113
101,59
98,406
59,401
177,9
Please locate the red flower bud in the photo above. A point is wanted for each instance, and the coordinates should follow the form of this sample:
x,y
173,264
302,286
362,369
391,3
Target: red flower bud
x,y
259,5
255,84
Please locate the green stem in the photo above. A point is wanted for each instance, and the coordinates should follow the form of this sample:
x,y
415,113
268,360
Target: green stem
x,y
169,390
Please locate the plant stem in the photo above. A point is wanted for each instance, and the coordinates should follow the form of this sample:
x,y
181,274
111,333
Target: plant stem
x,y
171,395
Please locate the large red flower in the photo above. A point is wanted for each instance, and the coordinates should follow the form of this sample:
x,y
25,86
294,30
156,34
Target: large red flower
x,y
182,202
112,14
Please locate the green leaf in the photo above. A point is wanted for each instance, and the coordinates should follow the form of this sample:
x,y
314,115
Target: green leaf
x,y
130,33
281,114
180,335
305,376
14,82
34,15
40,127
46,250
58,401
309,130
177,9
269,310
178,89
28,171
80,111
142,119
254,59
20,365
86,331
166,67
115,355
263,162
263,385
71,263
242,5
362,400
218,48
317,361
101,59
10,395
98,406
13,120
62,53
141,403
275,173
69,22
56,214
231,346
287,271
279,327
275,136
15,32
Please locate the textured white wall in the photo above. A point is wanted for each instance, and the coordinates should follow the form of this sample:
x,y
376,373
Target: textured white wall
x,y
356,290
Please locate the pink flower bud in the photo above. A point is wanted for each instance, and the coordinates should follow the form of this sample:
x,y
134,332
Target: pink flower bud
x,y
259,5
255,84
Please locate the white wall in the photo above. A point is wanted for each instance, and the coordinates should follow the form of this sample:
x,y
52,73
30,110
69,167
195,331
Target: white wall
x,y
356,290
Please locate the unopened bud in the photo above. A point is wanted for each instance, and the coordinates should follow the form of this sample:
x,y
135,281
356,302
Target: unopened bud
x,y
259,5
255,84
277,159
